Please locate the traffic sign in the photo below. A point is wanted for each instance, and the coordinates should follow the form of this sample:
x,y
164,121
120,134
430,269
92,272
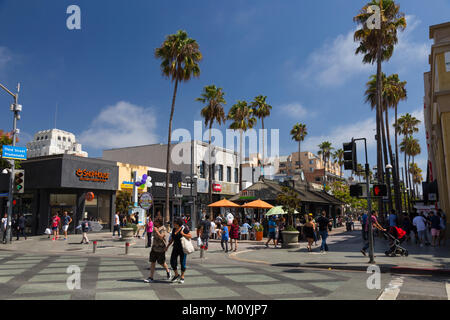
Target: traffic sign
x,y
14,153
379,190
146,201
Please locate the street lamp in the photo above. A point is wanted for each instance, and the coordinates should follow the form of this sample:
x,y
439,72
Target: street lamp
x,y
15,108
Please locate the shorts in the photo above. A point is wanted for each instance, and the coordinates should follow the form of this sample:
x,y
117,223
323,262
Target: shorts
x,y
271,235
159,257
65,228
435,232
54,228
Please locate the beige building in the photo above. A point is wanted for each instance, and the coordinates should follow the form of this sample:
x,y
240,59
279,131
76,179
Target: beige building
x,y
437,112
309,162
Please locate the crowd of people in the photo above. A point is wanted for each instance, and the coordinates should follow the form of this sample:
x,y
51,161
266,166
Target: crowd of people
x,y
18,225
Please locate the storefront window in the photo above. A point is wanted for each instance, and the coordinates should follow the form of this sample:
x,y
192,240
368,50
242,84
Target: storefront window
x,y
104,210
63,199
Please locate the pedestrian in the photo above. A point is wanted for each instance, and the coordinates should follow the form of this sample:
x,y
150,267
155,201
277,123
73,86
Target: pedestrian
x,y
435,228
392,219
116,226
272,230
281,227
21,222
213,230
56,221
205,228
377,226
407,226
420,223
323,222
234,235
308,229
179,230
149,227
85,226
158,251
245,229
67,220
4,227
224,236
364,225
443,225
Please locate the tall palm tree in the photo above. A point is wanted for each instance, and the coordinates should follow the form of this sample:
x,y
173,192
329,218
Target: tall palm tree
x,y
325,151
212,112
261,110
243,119
377,45
338,157
416,176
413,151
298,133
180,56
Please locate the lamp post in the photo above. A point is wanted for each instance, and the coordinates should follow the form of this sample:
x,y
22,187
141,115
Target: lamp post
x,y
15,108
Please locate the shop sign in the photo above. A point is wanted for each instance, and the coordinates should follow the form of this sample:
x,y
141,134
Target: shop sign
x,y
94,176
146,201
14,153
247,195
129,185
217,187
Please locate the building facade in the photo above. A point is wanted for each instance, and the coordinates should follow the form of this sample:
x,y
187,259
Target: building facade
x,y
437,115
53,142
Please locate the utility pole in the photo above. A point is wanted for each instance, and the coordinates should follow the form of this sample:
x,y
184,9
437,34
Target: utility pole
x,y
16,108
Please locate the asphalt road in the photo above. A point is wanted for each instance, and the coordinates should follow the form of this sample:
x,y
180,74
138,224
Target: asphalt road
x,y
44,276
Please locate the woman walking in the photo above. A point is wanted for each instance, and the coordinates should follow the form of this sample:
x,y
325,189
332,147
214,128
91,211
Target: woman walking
x,y
179,230
308,229
281,227
234,234
149,231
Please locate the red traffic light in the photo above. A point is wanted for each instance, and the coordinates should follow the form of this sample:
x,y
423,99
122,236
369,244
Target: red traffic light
x,y
380,190
14,202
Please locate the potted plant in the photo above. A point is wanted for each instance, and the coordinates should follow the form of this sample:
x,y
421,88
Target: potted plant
x,y
259,229
128,231
290,200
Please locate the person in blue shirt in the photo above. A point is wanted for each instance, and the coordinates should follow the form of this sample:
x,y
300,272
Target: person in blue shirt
x,y
363,225
223,233
272,232
392,219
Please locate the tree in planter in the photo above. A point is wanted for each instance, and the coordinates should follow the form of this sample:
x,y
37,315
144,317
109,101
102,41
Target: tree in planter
x,y
123,201
290,200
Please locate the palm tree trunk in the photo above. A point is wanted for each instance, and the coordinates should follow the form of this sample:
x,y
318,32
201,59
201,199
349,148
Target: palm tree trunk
x,y
394,170
172,110
262,122
378,111
240,160
299,157
396,145
211,172
385,154
406,184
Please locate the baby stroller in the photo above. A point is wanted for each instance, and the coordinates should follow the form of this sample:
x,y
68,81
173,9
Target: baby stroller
x,y
397,237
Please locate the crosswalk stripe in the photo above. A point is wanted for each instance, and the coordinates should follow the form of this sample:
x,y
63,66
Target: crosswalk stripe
x,y
392,290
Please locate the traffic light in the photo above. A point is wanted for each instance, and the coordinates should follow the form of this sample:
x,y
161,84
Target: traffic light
x,y
356,190
379,190
350,161
19,181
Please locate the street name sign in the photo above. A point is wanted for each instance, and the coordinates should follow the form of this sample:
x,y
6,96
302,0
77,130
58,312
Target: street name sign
x,y
14,153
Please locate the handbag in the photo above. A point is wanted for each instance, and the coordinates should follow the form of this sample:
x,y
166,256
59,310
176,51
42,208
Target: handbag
x,y
48,231
187,245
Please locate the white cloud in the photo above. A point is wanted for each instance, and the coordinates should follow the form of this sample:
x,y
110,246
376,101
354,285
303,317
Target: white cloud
x,y
121,125
344,133
294,110
333,64
5,56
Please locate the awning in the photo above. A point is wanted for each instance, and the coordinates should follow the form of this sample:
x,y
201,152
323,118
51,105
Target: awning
x,y
278,210
224,203
258,204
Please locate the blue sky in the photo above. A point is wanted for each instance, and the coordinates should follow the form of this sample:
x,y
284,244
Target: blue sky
x,y
110,92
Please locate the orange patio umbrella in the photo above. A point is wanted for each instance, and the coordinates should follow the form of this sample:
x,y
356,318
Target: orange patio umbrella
x,y
224,203
257,204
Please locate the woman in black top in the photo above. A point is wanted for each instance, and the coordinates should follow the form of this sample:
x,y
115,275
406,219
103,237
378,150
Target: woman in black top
x,y
179,230
309,229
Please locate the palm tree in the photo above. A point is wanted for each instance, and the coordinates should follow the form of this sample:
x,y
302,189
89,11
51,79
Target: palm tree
x,y
417,176
298,133
377,45
413,151
243,119
261,110
338,157
180,56
360,171
212,112
325,151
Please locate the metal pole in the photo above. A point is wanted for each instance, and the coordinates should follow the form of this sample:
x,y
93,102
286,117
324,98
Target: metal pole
x,y
13,167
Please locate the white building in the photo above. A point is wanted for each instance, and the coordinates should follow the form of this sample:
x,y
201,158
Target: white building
x,y
54,141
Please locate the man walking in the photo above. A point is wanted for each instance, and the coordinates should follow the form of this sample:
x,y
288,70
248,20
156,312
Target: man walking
x,y
205,227
56,221
21,227
4,227
116,224
420,223
67,220
85,228
377,226
158,251
272,232
435,228
363,225
392,219
323,222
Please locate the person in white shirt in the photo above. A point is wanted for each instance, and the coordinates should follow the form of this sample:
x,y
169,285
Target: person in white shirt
x,y
4,226
213,230
116,225
420,223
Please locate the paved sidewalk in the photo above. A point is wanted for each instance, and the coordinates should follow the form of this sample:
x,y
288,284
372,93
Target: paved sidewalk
x,y
345,254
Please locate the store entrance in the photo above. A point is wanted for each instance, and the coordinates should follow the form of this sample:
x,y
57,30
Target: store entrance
x,y
60,211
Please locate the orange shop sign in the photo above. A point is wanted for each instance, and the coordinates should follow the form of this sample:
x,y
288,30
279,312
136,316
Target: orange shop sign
x,y
94,176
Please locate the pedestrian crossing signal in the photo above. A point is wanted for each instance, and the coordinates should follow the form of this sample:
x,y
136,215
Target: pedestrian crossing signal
x,y
19,181
379,190
356,190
